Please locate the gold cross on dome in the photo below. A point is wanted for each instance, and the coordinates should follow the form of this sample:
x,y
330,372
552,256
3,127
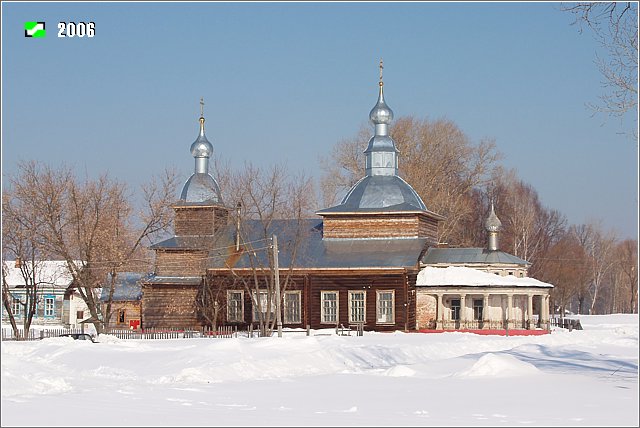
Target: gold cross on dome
x,y
201,106
381,67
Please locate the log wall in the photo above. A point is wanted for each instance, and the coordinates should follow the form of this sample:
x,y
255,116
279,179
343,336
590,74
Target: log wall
x,y
380,226
180,262
369,283
197,220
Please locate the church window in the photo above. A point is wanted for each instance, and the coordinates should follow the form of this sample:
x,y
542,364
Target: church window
x,y
385,306
357,306
329,307
261,306
292,304
235,306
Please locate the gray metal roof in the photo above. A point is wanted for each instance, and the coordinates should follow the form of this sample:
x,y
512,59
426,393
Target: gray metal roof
x,y
315,252
386,193
127,287
470,255
184,242
189,280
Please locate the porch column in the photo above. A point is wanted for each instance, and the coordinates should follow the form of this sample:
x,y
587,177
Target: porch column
x,y
532,324
485,311
440,314
463,309
509,310
544,311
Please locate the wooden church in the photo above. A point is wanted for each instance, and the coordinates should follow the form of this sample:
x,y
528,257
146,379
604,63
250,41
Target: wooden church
x,y
356,264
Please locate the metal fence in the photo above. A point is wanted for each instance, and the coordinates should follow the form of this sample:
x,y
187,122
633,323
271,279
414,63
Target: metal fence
x,y
568,323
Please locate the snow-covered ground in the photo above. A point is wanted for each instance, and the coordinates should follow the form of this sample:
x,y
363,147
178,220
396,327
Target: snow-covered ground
x,y
580,378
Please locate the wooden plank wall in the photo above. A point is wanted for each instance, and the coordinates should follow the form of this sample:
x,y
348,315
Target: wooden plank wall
x,y
132,311
174,305
166,305
368,283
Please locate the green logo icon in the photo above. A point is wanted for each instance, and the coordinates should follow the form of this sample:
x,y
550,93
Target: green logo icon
x,y
34,29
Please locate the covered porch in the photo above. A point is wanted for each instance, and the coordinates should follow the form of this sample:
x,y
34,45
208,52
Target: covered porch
x,y
467,299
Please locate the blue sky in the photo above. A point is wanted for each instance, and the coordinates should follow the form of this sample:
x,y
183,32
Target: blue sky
x,y
287,81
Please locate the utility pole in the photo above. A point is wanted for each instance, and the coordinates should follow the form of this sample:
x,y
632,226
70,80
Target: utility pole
x,y
277,279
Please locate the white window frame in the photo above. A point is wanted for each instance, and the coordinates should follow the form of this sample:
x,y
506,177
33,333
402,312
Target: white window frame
x,y
16,306
351,306
323,313
263,304
239,314
298,296
380,308
49,307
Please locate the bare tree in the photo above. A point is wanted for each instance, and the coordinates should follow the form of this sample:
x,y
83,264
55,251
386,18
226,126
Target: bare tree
x,y
615,27
626,255
91,224
7,301
530,229
20,241
565,268
266,195
211,301
598,247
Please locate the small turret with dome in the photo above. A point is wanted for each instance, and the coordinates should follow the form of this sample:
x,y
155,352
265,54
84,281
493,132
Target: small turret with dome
x,y
381,155
201,187
381,188
493,225
381,193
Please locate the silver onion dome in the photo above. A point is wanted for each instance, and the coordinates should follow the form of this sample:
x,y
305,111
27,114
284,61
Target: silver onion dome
x,y
381,114
381,154
381,189
201,187
492,223
201,148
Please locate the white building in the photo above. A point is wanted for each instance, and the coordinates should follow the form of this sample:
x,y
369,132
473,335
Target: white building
x,y
479,289
57,301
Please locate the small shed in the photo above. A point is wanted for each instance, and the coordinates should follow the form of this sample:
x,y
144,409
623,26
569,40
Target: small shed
x,y
125,300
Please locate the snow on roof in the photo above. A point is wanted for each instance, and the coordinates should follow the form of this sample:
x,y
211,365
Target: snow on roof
x,y
464,276
48,273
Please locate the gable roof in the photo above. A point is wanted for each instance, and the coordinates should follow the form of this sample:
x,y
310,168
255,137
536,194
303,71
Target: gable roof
x,y
311,251
127,287
49,273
